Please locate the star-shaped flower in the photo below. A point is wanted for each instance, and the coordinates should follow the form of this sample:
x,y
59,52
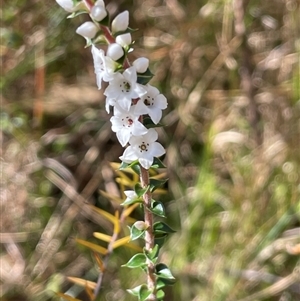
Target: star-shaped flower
x,y
152,103
126,124
124,87
143,148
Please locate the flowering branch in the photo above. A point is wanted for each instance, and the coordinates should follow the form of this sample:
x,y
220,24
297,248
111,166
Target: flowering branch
x,y
137,110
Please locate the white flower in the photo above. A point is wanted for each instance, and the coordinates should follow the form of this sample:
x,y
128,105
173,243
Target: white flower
x,y
100,3
125,124
143,148
120,22
123,88
151,103
115,51
67,5
124,39
98,12
104,66
87,29
141,64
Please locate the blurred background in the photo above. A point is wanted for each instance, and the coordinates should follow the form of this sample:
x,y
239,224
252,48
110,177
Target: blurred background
x,y
230,72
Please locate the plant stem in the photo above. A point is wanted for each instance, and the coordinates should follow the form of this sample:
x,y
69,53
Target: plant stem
x,y
149,235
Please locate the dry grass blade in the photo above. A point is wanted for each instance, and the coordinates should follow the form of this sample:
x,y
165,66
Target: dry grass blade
x,y
276,288
82,282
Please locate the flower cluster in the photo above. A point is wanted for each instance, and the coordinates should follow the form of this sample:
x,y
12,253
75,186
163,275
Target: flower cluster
x,y
133,99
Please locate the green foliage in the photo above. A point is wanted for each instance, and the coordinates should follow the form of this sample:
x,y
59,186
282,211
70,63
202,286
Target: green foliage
x,y
235,203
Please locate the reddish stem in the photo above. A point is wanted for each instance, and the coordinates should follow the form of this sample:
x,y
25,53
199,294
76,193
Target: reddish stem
x,y
88,3
149,235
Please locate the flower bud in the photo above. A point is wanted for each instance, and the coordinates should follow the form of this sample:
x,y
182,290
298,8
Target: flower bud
x,y
141,64
67,5
140,225
100,3
87,30
98,13
120,22
124,39
115,51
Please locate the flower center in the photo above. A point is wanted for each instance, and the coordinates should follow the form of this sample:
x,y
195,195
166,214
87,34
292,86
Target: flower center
x,y
143,147
127,121
148,101
125,87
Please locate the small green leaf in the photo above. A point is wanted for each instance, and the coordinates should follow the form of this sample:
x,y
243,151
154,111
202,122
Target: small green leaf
x,y
139,190
137,261
159,240
144,293
136,233
131,201
128,165
133,165
141,291
135,290
161,228
157,163
136,168
160,295
153,254
76,13
160,284
128,30
157,208
144,78
164,274
154,184
148,123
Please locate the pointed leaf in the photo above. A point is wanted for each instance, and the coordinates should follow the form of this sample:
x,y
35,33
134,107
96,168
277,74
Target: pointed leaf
x,y
76,13
117,223
139,190
89,292
137,261
157,163
144,78
157,208
163,271
136,233
92,246
128,165
105,214
160,227
124,181
154,184
128,210
149,124
153,254
159,240
160,295
83,282
102,236
135,291
99,262
121,242
132,201
137,169
144,293
164,274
